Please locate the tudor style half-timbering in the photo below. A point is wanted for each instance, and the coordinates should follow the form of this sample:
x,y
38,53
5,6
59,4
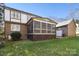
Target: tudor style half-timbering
x,y
15,20
32,26
41,28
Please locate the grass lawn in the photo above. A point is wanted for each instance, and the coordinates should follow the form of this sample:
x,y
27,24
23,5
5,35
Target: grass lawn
x,y
65,46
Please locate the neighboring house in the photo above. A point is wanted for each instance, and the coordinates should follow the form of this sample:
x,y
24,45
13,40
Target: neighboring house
x,y
77,27
41,28
66,28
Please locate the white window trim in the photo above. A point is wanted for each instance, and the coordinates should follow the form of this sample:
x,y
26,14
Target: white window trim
x,y
43,29
14,25
43,33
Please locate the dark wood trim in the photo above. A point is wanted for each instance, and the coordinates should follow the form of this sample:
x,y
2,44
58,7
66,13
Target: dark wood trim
x,y
10,15
27,17
20,17
20,21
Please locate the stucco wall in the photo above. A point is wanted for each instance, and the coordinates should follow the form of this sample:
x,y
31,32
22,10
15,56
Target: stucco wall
x,y
7,14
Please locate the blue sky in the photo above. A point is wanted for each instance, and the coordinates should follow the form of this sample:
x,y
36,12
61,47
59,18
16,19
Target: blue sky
x,y
59,10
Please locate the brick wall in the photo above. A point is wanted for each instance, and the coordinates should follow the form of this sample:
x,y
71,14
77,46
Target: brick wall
x,y
41,37
7,29
23,30
72,29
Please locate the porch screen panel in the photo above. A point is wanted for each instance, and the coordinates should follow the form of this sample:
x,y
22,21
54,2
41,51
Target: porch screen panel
x,y
36,25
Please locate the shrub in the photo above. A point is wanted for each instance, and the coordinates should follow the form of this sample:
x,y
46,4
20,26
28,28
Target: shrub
x,y
16,35
2,44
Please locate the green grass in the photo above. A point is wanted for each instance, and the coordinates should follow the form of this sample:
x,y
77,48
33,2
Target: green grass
x,y
65,46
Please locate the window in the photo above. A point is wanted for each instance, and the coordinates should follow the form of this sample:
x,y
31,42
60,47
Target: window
x,y
15,14
36,25
12,14
44,26
53,26
15,27
49,27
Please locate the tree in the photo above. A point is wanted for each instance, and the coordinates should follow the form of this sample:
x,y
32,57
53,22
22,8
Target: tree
x,y
1,23
74,13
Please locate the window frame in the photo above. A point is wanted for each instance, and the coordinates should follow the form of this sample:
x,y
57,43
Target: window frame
x,y
43,26
15,15
36,26
13,26
48,27
12,14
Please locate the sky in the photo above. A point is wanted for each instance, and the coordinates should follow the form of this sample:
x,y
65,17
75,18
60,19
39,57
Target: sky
x,y
57,10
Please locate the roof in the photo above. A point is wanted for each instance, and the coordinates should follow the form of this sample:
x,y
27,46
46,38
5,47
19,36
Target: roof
x,y
64,23
43,19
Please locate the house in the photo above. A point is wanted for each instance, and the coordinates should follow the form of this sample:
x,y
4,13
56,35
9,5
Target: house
x,y
41,28
32,26
15,20
77,27
66,28
26,23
